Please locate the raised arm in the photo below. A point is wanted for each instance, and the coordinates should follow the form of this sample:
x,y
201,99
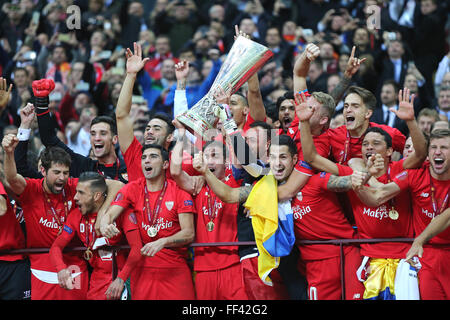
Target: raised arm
x,y
27,116
301,66
180,104
352,68
225,193
406,112
183,180
135,63
304,113
255,101
16,182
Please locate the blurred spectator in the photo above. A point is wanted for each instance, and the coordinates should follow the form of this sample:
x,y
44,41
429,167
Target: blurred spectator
x,y
179,21
443,106
317,78
282,50
255,12
327,55
162,52
388,99
394,65
196,86
426,118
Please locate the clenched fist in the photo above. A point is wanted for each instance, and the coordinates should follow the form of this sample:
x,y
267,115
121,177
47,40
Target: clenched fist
x,y
9,143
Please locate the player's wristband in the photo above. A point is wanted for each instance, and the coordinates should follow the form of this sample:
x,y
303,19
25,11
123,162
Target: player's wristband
x,y
305,92
23,134
41,102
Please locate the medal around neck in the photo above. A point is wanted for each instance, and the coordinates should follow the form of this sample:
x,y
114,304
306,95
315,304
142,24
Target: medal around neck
x,y
393,214
210,226
152,232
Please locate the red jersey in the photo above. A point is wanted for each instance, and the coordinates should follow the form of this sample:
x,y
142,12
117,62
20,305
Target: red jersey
x,y
248,121
339,138
374,222
224,217
322,147
174,202
43,220
11,235
420,183
84,228
318,216
133,157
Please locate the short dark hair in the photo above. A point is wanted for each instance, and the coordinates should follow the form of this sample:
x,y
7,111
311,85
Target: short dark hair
x,y
108,120
272,112
263,125
97,181
166,119
393,83
285,140
288,95
366,96
387,137
54,155
164,152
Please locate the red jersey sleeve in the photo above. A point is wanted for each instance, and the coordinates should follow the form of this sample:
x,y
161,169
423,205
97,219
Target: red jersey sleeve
x,y
344,170
127,221
402,179
185,203
69,230
132,159
2,190
125,196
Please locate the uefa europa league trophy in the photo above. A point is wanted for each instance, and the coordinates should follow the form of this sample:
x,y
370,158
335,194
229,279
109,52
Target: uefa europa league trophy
x,y
244,59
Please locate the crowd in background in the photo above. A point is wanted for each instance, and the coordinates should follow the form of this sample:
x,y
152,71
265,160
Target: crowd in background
x,y
409,49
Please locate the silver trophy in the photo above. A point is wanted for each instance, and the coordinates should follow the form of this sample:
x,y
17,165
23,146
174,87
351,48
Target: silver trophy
x,y
244,59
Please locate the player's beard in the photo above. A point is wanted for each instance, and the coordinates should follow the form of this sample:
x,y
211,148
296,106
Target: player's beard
x,y
88,207
53,189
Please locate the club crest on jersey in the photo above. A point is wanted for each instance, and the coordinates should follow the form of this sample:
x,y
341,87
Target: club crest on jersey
x,y
291,131
125,176
299,196
69,204
169,205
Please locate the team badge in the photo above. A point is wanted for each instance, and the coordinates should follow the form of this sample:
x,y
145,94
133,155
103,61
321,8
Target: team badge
x,y
169,205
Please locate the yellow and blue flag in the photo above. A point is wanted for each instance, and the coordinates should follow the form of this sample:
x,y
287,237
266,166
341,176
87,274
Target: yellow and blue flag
x,y
380,284
274,237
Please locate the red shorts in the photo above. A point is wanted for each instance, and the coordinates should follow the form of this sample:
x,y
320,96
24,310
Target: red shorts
x,y
324,277
98,284
162,283
41,290
258,290
223,284
434,276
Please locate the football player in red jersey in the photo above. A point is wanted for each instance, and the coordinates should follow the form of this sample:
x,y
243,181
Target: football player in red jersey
x,y
429,187
219,275
164,215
